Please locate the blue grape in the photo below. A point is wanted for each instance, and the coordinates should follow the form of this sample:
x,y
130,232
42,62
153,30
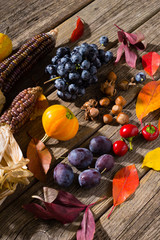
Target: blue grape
x,y
61,52
69,67
106,161
72,89
97,63
80,157
89,178
85,75
65,59
61,70
100,145
108,56
60,84
84,50
140,77
85,64
101,55
74,76
60,94
93,70
76,58
63,175
50,69
54,60
67,96
103,40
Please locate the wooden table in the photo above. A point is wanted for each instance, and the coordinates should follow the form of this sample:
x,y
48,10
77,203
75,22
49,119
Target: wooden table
x,y
137,218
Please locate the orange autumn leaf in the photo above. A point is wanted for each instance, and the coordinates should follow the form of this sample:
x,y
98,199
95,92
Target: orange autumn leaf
x,y
125,182
40,106
148,99
40,159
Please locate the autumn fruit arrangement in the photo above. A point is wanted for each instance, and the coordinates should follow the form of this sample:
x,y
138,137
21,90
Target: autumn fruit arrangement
x,y
72,71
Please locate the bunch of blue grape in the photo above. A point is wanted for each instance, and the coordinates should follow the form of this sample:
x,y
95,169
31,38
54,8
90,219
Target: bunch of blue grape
x,y
73,71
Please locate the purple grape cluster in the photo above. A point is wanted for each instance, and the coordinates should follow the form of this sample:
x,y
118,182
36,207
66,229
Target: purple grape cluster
x,y
76,70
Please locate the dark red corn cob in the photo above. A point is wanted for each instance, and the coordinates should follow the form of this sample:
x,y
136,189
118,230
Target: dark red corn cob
x,y
12,68
21,108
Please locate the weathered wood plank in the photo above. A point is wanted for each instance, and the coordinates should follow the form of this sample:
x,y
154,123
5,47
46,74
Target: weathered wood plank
x,y
62,148
131,219
24,19
18,219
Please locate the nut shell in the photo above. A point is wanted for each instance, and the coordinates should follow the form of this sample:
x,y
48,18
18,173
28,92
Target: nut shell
x,y
122,118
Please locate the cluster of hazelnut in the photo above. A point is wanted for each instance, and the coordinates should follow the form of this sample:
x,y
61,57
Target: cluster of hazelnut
x,y
121,117
92,112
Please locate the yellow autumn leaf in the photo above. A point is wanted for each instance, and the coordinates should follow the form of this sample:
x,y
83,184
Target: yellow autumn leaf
x,y
152,159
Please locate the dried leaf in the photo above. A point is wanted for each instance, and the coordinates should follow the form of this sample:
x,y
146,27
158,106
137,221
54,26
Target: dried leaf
x,y
152,159
78,31
125,182
148,99
87,226
40,159
65,208
50,194
13,168
127,40
151,62
40,106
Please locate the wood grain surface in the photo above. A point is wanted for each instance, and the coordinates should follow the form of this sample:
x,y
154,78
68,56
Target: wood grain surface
x,y
138,217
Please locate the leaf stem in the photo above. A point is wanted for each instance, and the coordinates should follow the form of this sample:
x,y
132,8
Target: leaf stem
x,y
111,211
101,199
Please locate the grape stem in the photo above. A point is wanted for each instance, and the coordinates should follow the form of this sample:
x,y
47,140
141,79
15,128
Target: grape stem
x,y
52,79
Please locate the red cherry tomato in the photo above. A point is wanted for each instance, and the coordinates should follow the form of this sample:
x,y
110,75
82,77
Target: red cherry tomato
x,y
128,131
120,148
150,132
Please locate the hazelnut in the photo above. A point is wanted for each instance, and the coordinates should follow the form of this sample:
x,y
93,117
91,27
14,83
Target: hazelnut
x,y
107,118
123,85
104,102
94,112
112,76
122,118
116,109
120,101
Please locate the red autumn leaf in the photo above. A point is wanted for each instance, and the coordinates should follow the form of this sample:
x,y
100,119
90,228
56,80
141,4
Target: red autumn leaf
x,y
127,40
87,226
148,99
151,62
125,182
78,31
40,159
65,208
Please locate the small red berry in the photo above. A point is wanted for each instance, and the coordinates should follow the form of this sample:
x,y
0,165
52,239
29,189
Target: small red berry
x,y
128,130
120,148
150,132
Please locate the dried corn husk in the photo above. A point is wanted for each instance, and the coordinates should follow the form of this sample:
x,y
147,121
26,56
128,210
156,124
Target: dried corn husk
x,y
13,169
2,101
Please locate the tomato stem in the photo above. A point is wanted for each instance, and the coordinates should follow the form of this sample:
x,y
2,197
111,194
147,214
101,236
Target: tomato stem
x,y
150,129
